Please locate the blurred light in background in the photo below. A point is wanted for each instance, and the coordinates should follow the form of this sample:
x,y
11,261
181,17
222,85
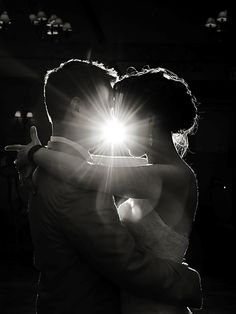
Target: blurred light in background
x,y
53,26
219,24
45,27
211,22
17,114
29,115
4,21
222,16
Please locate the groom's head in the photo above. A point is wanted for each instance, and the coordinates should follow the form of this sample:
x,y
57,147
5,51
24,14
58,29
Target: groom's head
x,y
76,87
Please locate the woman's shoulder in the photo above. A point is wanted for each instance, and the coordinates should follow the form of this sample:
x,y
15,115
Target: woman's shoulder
x,y
174,177
177,169
178,198
188,173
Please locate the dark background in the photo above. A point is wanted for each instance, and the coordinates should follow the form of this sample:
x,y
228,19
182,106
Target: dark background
x,y
122,34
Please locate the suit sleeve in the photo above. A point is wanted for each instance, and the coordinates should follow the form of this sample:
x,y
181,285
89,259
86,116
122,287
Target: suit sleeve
x,y
95,231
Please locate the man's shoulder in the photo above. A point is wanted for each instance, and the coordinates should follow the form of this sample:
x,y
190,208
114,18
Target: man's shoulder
x,y
64,194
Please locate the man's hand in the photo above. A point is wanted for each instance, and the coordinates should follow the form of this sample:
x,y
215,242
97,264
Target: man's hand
x,y
22,150
24,167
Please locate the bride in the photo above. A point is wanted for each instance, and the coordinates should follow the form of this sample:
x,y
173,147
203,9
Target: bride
x,y
160,196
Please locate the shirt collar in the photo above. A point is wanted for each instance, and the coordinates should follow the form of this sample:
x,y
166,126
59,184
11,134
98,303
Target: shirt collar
x,y
83,151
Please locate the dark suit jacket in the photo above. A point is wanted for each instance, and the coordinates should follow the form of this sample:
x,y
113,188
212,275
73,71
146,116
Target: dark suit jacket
x,y
84,254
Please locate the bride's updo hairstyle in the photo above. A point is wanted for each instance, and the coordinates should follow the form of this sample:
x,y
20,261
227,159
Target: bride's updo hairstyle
x,y
160,92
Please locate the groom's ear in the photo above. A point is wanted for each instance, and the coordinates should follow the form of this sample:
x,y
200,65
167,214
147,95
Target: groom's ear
x,y
151,122
76,104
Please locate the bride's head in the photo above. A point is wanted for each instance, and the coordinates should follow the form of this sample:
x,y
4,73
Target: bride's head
x,y
161,101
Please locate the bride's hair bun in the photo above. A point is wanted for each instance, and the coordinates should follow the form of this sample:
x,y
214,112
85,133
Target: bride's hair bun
x,y
164,94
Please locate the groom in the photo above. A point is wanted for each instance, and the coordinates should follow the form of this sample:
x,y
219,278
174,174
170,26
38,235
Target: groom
x,y
83,253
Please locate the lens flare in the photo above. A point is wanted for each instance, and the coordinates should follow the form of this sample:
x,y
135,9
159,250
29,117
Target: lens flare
x,y
113,132
110,125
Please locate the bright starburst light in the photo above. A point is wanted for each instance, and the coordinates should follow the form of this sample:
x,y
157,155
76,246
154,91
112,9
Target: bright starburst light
x,y
113,132
119,130
109,129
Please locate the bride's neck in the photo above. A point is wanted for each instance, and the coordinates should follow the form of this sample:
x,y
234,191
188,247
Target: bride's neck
x,y
162,149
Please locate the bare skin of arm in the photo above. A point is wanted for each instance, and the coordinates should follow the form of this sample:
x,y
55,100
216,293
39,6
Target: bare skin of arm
x,y
165,188
138,183
123,181
144,182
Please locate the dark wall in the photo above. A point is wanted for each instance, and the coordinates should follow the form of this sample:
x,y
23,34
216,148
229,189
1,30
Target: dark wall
x,y
123,36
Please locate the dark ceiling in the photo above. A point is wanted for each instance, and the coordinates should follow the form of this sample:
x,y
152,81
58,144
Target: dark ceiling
x,y
122,34
119,34
115,31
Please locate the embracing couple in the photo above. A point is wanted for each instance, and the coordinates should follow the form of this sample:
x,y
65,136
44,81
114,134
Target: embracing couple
x,y
110,233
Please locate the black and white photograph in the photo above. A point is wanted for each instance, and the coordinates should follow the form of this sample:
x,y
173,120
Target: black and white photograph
x,y
117,170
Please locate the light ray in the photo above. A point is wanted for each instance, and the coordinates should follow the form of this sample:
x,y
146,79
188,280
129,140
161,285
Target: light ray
x,y
110,125
114,131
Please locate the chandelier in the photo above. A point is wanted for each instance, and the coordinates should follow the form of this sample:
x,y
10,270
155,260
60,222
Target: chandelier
x,y
218,25
45,27
4,21
53,26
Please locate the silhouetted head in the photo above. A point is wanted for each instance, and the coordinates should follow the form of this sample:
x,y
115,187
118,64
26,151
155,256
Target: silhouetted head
x,y
160,93
75,82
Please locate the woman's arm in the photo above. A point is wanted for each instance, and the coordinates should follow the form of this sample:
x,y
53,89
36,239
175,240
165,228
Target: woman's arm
x,y
138,182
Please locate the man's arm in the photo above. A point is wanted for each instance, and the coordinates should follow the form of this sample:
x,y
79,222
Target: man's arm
x,y
97,233
109,247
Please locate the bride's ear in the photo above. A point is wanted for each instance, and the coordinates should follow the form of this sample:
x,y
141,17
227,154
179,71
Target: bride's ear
x,y
76,104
